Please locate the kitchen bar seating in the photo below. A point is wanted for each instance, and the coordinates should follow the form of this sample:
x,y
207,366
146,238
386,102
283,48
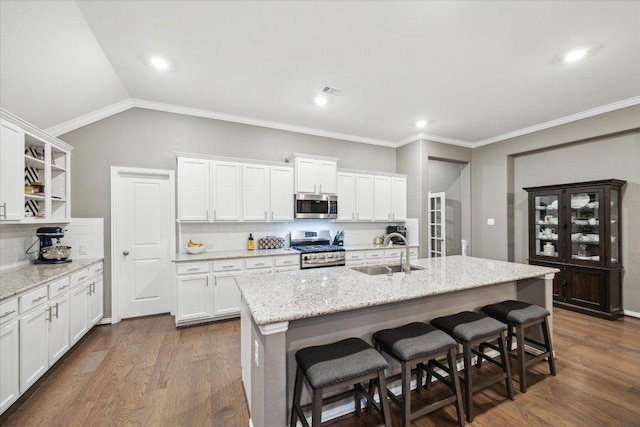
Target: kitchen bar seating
x,y
519,316
473,329
413,345
337,365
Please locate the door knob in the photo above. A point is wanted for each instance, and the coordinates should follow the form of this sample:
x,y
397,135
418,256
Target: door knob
x,y
125,253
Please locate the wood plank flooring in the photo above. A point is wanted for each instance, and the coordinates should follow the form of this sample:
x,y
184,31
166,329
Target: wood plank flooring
x,y
145,372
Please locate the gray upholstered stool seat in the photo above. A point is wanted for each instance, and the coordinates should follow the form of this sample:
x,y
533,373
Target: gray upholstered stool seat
x,y
519,315
474,330
347,362
413,345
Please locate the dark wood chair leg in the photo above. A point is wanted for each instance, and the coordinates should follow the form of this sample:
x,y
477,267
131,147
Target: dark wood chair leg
x,y
466,349
505,364
455,382
316,417
384,401
406,394
297,391
521,358
357,401
547,339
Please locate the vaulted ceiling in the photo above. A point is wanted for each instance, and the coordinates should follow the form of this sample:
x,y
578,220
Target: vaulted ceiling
x,y
477,72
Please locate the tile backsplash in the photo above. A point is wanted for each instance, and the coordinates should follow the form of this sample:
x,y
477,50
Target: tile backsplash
x,y
233,236
81,233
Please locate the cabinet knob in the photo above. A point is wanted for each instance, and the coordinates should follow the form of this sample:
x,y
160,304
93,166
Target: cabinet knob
x,y
125,253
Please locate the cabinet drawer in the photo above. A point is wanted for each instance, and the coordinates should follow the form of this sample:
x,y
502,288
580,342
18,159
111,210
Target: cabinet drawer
x,y
290,260
392,253
192,268
94,270
33,299
8,310
413,252
227,265
78,277
354,256
261,262
374,254
257,271
58,287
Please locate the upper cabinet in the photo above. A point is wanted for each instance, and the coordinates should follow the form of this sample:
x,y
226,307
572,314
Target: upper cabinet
x,y
34,174
368,197
315,174
214,189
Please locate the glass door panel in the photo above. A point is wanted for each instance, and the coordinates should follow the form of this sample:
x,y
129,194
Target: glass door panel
x,y
615,226
585,226
546,225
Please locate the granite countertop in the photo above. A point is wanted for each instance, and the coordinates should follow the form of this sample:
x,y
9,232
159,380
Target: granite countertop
x,y
369,246
19,279
212,256
307,293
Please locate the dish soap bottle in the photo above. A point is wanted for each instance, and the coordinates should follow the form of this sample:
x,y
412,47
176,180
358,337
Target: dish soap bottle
x,y
250,242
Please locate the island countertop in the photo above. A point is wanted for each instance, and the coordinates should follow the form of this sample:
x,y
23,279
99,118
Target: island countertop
x,y
308,293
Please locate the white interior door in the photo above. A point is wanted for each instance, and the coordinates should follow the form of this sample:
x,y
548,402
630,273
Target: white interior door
x,y
142,241
437,225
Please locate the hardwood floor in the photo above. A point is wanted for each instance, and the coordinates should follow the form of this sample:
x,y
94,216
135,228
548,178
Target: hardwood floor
x,y
146,372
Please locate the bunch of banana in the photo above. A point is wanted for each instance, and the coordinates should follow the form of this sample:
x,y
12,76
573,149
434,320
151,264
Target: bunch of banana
x,y
194,244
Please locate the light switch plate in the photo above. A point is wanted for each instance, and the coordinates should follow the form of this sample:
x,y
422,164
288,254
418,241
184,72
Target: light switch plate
x,y
491,221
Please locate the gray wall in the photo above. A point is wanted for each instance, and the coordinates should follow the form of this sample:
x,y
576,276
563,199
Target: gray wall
x,y
414,160
147,139
600,147
447,177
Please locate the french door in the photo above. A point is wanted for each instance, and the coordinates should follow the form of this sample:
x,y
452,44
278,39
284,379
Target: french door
x,y
437,233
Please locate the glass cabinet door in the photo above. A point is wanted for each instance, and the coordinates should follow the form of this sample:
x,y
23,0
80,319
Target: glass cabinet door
x,y
586,225
546,225
615,226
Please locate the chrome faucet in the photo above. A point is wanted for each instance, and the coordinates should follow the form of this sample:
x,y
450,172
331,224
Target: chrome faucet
x,y
405,266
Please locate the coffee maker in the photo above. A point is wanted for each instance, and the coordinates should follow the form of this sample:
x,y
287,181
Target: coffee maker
x,y
400,229
50,252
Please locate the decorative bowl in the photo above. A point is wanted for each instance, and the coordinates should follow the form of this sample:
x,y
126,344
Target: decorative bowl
x,y
195,249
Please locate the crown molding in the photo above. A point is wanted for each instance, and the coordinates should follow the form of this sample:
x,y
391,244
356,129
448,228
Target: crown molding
x,y
92,117
434,138
629,102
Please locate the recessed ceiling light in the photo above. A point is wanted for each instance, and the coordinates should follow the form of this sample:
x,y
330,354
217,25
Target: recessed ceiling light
x,y
421,124
159,63
321,100
575,55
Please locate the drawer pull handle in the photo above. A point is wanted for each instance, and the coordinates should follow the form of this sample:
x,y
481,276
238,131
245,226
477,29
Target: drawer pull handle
x,y
82,278
193,269
38,299
63,287
6,313
98,271
227,266
259,263
287,262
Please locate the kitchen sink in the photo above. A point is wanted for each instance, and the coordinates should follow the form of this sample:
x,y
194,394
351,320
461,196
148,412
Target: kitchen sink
x,y
373,270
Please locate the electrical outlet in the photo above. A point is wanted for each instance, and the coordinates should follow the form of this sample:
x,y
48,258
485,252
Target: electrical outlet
x,y
83,249
256,356
491,221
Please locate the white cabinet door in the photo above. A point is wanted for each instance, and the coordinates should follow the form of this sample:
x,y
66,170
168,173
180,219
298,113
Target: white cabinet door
x,y
227,190
281,193
226,295
9,364
95,305
11,172
327,177
78,320
193,189
398,199
194,297
382,198
306,175
364,197
58,324
255,194
34,346
346,196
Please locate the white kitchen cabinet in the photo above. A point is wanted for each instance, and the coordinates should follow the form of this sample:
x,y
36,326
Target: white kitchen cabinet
x,y
281,193
226,186
194,297
255,192
364,197
375,256
11,172
287,263
78,308
346,183
226,295
9,363
95,304
34,345
58,324
30,156
382,198
393,255
315,175
193,189
354,258
398,198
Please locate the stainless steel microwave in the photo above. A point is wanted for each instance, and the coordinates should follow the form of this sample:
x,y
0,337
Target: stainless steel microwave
x,y
316,206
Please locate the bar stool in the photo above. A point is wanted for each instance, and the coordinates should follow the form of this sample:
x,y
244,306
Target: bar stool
x,y
343,363
519,316
413,345
472,329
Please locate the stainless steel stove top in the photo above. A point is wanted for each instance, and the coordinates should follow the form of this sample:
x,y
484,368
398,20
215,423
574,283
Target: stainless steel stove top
x,y
315,250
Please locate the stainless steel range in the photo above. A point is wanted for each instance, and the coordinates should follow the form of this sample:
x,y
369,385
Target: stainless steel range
x,y
315,250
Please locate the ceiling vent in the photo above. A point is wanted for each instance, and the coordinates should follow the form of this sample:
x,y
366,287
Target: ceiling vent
x,y
332,91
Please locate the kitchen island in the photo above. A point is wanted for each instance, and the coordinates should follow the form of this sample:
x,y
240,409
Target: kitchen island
x,y
284,312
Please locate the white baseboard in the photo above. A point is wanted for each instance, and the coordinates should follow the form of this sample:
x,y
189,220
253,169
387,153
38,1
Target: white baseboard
x,y
631,313
105,321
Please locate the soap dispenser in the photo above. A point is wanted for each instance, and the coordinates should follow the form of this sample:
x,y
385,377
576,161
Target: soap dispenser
x,y
250,242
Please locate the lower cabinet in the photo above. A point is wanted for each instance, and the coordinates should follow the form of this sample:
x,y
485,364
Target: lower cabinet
x,y
9,362
34,346
226,296
95,292
78,308
194,297
58,324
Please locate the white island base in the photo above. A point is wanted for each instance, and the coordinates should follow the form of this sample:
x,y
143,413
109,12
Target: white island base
x,y
285,312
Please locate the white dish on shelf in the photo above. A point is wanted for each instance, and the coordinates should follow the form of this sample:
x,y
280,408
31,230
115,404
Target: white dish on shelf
x,y
593,205
595,258
581,257
579,200
581,221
